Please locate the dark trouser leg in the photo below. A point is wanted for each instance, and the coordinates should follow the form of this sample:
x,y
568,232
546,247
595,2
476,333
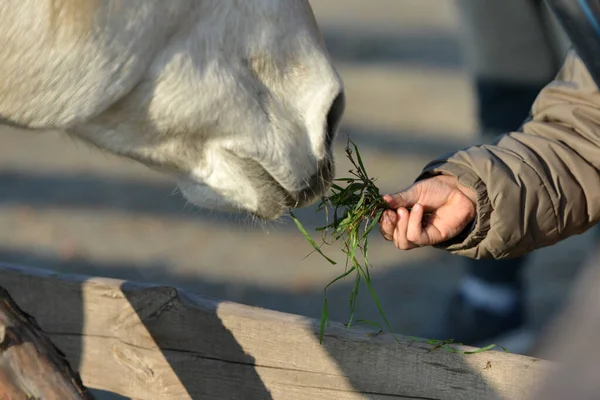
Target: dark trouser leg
x,y
497,271
597,232
503,107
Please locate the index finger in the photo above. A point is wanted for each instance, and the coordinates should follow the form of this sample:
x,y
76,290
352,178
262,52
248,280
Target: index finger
x,y
406,198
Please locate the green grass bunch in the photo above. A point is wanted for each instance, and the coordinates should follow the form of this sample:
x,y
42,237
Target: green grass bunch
x,y
352,211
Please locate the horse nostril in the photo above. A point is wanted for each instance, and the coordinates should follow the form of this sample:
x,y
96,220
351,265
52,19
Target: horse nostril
x,y
317,184
334,117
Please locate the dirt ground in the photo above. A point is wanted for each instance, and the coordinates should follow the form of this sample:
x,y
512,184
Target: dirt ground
x,y
70,208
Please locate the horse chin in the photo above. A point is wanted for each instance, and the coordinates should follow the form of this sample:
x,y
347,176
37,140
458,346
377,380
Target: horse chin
x,y
270,203
267,206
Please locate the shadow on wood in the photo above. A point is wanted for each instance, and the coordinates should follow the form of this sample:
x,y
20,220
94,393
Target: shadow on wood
x,y
148,342
31,367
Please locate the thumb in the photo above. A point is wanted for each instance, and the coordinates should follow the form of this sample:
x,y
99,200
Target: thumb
x,y
406,198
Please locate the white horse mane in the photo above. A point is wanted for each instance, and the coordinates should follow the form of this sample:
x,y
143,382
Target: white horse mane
x,y
237,99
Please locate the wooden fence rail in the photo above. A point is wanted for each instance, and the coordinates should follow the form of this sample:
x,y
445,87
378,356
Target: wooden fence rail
x,y
150,342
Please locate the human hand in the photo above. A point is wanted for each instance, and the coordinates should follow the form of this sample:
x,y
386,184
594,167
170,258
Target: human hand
x,y
448,207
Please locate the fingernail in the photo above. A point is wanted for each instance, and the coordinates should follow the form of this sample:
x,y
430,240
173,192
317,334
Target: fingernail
x,y
417,207
401,213
387,218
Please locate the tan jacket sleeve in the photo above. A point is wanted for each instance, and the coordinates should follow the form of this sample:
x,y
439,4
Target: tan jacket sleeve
x,y
538,185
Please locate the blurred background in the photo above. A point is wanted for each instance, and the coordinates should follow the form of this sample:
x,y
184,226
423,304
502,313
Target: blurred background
x,y
71,208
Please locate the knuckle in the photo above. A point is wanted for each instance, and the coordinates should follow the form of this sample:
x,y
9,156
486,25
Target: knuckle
x,y
413,237
400,244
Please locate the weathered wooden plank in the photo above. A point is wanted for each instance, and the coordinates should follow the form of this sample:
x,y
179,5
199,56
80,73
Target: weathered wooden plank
x,y
31,367
149,342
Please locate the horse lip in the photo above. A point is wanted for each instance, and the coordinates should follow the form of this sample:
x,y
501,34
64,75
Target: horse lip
x,y
317,185
322,179
292,198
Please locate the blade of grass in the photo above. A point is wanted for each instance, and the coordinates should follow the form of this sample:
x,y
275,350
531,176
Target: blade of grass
x,y
324,319
354,299
358,157
309,239
324,309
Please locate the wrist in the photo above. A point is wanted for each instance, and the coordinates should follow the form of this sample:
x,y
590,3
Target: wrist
x,y
469,192
452,180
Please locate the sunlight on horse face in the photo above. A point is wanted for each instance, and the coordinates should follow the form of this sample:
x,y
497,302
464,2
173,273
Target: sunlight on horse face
x,y
238,100
262,103
242,105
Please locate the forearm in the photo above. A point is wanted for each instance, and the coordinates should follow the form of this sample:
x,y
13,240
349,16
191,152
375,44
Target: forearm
x,y
541,184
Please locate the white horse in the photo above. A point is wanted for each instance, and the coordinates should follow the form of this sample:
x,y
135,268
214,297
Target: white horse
x,y
237,99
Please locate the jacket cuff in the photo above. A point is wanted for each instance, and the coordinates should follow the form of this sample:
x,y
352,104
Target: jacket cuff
x,y
473,235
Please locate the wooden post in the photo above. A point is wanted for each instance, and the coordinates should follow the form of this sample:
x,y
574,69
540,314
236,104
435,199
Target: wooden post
x,y
31,367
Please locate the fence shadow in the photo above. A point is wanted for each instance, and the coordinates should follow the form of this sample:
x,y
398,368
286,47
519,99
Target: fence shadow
x,y
288,301
421,48
403,287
